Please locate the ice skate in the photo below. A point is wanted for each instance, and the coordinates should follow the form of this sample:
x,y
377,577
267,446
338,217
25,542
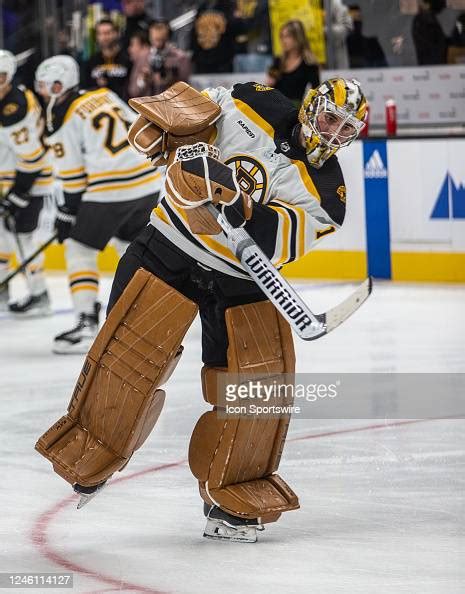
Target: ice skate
x,y
32,306
223,526
87,493
79,339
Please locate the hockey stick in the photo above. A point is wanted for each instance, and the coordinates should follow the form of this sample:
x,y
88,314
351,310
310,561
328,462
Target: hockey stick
x,y
303,321
26,262
21,253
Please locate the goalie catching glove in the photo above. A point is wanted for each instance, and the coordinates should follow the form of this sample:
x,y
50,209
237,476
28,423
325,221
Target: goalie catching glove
x,y
199,180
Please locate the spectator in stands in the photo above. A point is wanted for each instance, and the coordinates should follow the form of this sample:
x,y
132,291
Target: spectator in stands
x,y
297,67
136,20
253,45
213,36
364,52
428,36
163,65
138,50
110,66
337,30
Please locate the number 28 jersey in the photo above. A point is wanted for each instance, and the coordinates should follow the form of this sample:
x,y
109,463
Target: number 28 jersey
x,y
90,152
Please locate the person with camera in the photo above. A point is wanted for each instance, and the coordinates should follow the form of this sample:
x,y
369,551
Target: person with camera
x,y
162,66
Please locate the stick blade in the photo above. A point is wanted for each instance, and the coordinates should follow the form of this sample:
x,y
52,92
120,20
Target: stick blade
x,y
338,314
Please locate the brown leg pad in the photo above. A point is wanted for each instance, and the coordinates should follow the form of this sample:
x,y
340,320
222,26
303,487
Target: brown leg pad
x,y
235,460
116,403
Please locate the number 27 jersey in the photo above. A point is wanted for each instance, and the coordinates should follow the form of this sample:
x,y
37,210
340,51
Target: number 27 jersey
x,y
90,152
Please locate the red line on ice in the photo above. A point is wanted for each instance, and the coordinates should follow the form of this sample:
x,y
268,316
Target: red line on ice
x,y
40,538
39,530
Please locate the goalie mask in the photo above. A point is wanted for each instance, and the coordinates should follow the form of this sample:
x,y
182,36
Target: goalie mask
x,y
7,67
54,77
332,116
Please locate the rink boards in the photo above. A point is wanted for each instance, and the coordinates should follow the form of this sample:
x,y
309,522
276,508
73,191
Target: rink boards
x,y
405,215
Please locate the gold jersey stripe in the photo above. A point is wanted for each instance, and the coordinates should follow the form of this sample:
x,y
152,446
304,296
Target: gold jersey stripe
x,y
286,226
34,154
300,232
74,185
306,179
210,244
65,172
146,166
254,116
125,186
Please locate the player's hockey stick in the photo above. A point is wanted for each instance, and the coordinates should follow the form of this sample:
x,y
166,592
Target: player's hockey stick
x,y
21,253
303,321
28,260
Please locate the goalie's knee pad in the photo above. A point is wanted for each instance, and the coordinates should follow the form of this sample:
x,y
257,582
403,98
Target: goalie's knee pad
x,y
116,402
235,459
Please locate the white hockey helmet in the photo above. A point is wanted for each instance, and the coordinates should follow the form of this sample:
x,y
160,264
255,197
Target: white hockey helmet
x,y
57,69
7,66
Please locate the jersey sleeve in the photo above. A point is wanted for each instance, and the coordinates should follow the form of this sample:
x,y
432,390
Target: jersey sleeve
x,y
67,151
285,232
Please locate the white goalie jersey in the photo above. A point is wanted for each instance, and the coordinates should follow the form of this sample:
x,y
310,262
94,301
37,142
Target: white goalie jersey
x,y
23,160
91,154
295,204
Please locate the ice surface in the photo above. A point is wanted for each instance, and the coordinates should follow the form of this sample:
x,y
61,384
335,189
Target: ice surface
x,y
382,509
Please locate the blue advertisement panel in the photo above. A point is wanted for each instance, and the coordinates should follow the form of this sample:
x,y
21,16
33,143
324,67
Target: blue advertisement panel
x,y
377,209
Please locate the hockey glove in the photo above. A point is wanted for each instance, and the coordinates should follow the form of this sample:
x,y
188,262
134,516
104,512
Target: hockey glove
x,y
64,222
13,204
66,216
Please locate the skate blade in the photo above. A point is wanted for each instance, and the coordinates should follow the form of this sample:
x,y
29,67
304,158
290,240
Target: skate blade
x,y
230,538
217,530
85,498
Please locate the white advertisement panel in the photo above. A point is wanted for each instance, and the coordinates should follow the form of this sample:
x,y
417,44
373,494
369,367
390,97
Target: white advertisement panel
x,y
427,194
432,95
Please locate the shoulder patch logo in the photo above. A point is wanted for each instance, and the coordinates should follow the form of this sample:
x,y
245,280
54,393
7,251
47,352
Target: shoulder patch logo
x,y
251,176
259,87
342,192
10,109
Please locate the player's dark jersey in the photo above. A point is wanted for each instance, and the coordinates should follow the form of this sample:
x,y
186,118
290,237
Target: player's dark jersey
x,y
296,204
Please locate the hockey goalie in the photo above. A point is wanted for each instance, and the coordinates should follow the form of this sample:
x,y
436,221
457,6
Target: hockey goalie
x,y
270,169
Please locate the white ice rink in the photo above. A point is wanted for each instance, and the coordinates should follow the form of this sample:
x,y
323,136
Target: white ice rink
x,y
382,501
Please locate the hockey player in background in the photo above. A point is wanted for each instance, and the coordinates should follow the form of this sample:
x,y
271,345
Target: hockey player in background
x,y
270,168
108,189
25,178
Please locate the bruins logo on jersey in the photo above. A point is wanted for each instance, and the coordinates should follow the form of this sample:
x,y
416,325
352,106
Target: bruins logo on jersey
x,y
341,192
251,176
10,109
